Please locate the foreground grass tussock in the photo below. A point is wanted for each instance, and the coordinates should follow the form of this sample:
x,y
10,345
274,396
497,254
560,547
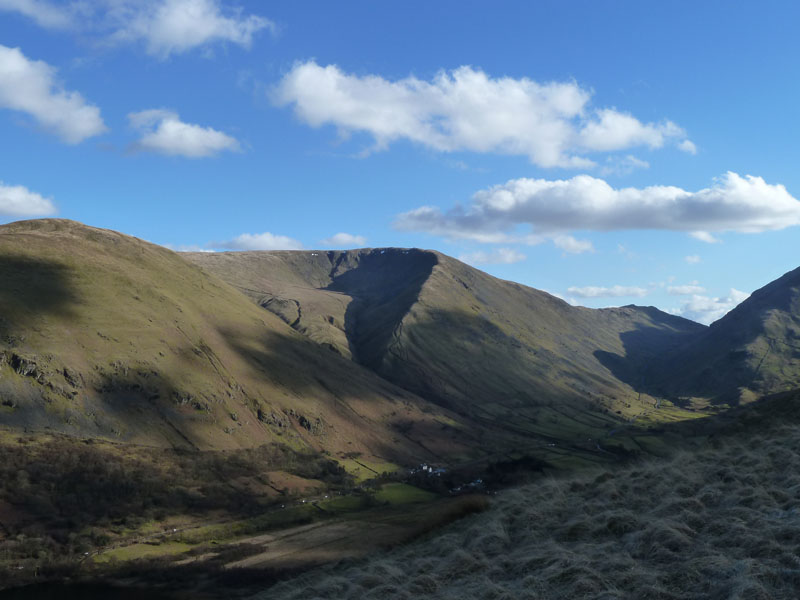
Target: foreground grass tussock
x,y
720,522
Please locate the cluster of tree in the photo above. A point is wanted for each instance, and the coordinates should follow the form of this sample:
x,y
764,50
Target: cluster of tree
x,y
70,496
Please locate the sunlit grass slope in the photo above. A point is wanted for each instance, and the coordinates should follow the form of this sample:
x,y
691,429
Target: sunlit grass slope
x,y
718,521
104,335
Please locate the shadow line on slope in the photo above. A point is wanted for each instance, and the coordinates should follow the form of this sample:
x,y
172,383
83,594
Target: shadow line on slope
x,y
289,361
308,374
384,286
641,366
31,288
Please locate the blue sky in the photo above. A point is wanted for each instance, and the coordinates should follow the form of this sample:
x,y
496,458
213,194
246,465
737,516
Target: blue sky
x,y
607,152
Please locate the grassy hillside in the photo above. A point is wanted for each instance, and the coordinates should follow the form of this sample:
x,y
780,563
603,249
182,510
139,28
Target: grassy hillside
x,y
139,392
518,363
382,358
752,351
103,335
170,414
475,341
718,521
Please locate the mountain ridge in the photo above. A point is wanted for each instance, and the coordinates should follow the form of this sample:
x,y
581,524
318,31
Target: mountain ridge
x,y
242,347
752,351
496,352
106,335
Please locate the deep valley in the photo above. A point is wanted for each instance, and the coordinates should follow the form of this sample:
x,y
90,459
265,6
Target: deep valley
x,y
209,423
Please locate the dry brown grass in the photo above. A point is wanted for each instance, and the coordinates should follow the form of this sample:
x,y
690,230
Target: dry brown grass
x,y
721,522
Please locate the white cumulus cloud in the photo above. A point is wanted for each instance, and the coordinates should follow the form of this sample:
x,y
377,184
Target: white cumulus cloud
x,y
465,109
175,26
615,291
30,86
19,201
613,130
552,207
259,241
499,256
344,240
163,132
706,309
692,259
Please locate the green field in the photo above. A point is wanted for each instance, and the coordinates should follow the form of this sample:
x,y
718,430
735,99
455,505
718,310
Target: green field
x,y
402,493
142,551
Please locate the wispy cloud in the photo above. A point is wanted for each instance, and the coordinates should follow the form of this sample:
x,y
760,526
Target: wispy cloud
x,y
688,147
499,256
623,165
187,248
614,291
168,27
163,27
344,240
685,290
704,236
258,241
49,15
574,246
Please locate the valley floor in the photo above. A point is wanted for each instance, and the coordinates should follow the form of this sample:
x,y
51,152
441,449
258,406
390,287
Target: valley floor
x,y
719,522
717,516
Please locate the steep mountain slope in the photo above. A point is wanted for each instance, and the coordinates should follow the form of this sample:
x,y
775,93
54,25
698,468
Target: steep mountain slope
x,y
103,335
350,302
497,353
752,351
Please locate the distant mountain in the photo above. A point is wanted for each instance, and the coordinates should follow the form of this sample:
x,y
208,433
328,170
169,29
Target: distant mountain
x,y
752,351
396,355
497,353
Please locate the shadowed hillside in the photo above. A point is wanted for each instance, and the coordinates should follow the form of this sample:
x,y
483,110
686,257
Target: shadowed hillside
x,y
351,302
473,340
104,335
751,351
